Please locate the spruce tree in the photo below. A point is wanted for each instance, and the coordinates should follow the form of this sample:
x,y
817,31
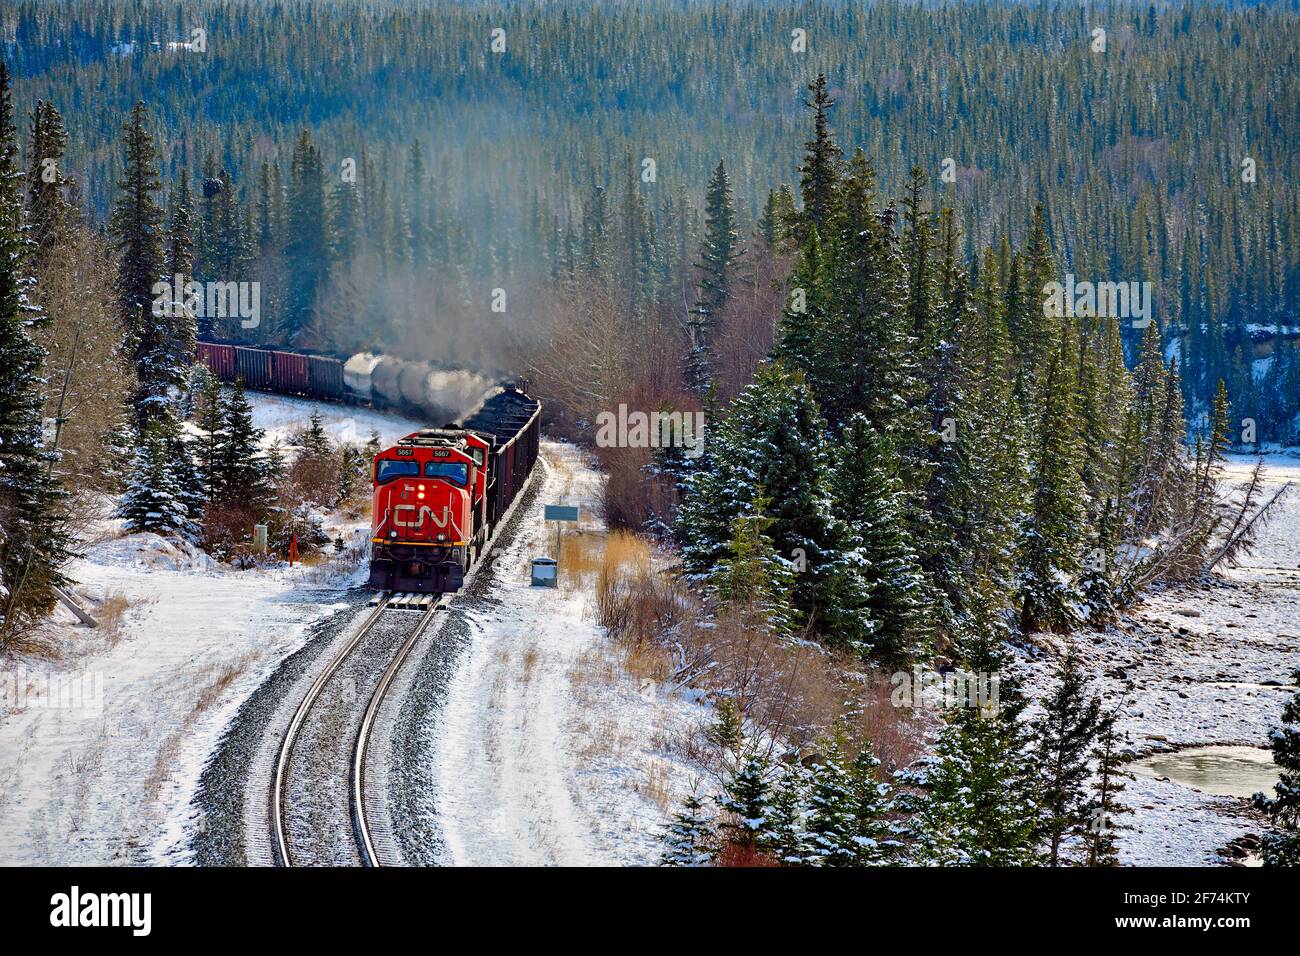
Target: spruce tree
x,y
158,337
688,839
785,836
211,422
49,214
154,500
1108,783
870,365
873,833
744,803
802,337
832,823
869,500
1053,538
974,805
34,541
753,580
771,445
241,475
1064,737
719,251
180,233
820,171
306,253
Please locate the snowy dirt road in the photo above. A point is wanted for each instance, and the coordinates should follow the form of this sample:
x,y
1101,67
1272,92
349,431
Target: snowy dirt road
x,y
547,751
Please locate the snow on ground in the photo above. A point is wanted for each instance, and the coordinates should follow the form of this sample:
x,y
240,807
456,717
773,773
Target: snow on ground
x,y
549,751
109,781
1203,662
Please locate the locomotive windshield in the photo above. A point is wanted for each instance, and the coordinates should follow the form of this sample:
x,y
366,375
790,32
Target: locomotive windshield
x,y
388,470
455,472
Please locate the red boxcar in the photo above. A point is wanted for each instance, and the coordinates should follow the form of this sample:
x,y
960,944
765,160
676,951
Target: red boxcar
x,y
325,377
255,368
220,359
289,372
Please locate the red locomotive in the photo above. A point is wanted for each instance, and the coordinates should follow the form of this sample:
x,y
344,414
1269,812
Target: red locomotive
x,y
440,493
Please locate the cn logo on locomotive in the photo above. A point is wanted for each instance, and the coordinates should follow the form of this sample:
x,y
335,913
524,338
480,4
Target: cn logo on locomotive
x,y
419,518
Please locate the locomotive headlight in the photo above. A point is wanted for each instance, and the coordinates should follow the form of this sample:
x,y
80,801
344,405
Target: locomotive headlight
x,y
420,495
392,534
441,536
419,488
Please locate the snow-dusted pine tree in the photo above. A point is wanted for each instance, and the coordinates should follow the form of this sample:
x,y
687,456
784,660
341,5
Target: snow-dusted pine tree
x,y
688,839
869,499
1064,735
831,827
153,500
744,802
34,543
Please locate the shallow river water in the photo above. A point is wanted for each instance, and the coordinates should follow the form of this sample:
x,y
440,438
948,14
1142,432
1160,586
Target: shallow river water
x,y
1220,770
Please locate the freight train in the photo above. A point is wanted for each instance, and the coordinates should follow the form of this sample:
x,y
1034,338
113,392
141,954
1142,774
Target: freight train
x,y
382,380
439,494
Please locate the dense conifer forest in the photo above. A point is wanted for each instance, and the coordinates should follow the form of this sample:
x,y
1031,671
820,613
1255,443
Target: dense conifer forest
x,y
1159,157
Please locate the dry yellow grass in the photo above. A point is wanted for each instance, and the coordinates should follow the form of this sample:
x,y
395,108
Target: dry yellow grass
x,y
222,677
657,785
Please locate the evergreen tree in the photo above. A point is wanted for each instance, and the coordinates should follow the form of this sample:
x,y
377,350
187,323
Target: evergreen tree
x,y
688,839
1064,737
1053,537
744,803
49,214
971,802
974,806
785,836
306,256
870,502
1107,785
820,171
868,354
153,500
34,541
832,823
242,474
801,334
1282,846
753,579
158,336
211,422
314,440
719,250
180,234
771,446
873,834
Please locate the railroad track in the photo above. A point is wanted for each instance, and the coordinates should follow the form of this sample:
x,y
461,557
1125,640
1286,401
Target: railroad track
x,y
320,722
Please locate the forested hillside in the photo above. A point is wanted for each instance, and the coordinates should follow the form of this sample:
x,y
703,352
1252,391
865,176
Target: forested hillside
x,y
1159,151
